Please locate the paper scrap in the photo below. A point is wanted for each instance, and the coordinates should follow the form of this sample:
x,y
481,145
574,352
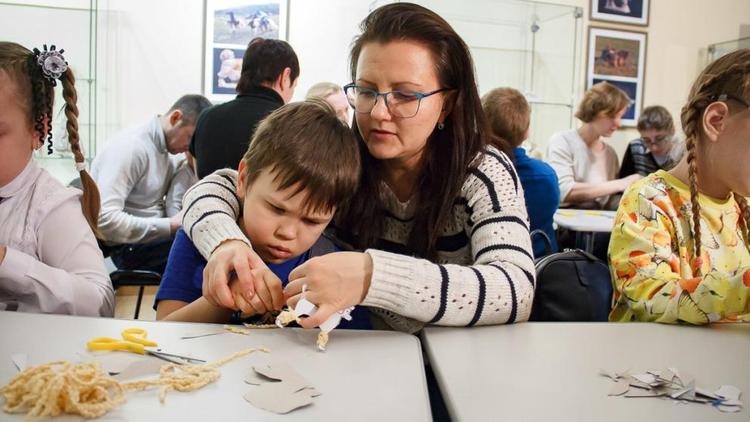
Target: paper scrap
x,y
621,387
282,372
728,392
278,398
306,308
278,388
20,360
672,384
145,367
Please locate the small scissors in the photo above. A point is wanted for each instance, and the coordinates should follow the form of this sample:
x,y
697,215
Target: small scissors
x,y
134,341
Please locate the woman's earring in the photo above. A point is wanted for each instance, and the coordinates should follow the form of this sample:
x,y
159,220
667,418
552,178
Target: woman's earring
x,y
441,126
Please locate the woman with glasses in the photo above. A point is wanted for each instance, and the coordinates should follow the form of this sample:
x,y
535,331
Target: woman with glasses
x,y
657,149
438,227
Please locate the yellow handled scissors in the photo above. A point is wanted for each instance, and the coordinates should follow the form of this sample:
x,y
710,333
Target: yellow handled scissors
x,y
134,341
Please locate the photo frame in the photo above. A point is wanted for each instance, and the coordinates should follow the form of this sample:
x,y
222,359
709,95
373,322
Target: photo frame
x,y
631,12
618,57
229,25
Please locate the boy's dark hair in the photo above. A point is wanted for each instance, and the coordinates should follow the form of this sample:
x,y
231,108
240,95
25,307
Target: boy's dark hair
x,y
191,106
509,114
264,61
306,144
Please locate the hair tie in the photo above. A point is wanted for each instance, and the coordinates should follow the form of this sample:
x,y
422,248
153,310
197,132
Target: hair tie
x,y
51,62
80,166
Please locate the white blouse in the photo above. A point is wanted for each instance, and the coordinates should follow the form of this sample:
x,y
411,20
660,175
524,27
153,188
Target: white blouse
x,y
52,263
573,161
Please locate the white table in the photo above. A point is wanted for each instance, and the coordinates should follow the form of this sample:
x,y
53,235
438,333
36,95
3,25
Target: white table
x,y
550,371
586,222
363,376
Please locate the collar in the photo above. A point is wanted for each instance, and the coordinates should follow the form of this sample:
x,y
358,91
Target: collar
x,y
262,92
519,152
21,182
156,133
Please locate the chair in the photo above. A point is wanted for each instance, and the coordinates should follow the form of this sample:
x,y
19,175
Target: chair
x,y
120,278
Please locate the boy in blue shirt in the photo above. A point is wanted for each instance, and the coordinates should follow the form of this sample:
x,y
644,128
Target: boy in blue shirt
x,y
509,115
287,190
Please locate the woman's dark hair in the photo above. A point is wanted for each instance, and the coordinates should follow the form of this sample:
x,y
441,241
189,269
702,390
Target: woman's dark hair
x,y
449,154
263,62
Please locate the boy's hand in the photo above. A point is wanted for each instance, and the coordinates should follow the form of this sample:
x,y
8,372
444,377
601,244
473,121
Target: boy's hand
x,y
230,256
268,293
335,281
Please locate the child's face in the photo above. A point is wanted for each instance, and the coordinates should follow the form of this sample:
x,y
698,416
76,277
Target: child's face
x,y
658,142
277,224
17,137
730,154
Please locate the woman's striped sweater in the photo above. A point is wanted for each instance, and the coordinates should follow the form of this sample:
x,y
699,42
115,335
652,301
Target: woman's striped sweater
x,y
485,270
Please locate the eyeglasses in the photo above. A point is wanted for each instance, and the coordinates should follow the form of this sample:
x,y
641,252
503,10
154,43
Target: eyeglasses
x,y
658,141
400,103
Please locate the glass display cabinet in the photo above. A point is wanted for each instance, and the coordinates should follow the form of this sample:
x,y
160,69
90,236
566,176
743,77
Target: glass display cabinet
x,y
49,22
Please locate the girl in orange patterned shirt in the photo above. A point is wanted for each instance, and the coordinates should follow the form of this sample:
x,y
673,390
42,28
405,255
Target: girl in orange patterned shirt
x,y
679,247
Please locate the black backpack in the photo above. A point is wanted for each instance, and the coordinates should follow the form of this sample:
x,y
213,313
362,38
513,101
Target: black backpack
x,y
572,285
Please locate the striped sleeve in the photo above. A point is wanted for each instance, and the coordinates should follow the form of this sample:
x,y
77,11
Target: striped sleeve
x,y
497,288
212,208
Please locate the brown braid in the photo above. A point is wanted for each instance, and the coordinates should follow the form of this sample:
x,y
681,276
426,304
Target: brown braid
x,y
90,202
693,176
727,75
745,214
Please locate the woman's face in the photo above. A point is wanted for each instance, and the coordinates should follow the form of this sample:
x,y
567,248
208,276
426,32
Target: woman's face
x,y
17,137
398,65
607,125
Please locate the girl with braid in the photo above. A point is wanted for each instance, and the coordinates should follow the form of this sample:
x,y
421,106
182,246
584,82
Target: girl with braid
x,y
679,248
49,259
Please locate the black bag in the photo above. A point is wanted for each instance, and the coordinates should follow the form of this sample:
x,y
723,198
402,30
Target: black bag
x,y
571,286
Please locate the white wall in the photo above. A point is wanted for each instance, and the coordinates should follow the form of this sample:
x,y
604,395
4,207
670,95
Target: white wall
x,y
150,52
679,32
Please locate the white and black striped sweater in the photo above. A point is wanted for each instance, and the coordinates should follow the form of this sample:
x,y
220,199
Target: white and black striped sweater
x,y
485,271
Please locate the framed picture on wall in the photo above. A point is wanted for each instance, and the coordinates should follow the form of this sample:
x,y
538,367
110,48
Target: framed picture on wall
x,y
229,25
634,12
618,57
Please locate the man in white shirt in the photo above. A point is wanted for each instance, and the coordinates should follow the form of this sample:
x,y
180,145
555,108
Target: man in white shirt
x,y
134,171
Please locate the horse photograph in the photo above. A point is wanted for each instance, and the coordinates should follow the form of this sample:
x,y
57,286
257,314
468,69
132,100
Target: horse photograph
x,y
239,24
616,57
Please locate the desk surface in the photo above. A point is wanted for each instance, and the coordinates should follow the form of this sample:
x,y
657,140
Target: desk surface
x,y
585,220
363,376
550,371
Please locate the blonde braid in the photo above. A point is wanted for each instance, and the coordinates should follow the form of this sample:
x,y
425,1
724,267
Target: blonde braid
x,y
90,202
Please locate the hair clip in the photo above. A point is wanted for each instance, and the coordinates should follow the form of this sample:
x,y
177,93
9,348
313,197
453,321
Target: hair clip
x,y
51,62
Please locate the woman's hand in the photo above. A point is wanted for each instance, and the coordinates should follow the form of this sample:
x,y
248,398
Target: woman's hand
x,y
268,295
230,256
334,282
